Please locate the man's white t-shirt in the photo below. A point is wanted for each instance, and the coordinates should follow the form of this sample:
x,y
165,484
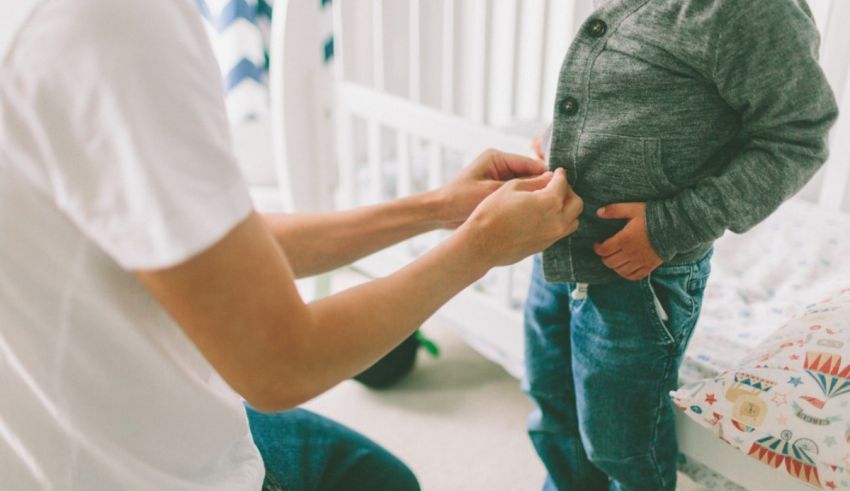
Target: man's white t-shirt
x,y
114,156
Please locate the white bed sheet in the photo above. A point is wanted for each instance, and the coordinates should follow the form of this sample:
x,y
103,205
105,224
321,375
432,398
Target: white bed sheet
x,y
762,278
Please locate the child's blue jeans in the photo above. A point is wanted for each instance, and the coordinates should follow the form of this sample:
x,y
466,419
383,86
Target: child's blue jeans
x,y
303,451
599,370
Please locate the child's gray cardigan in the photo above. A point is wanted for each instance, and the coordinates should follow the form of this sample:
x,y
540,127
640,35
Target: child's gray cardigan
x,y
713,112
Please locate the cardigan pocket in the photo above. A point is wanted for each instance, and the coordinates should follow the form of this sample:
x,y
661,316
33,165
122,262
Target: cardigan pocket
x,y
617,168
684,161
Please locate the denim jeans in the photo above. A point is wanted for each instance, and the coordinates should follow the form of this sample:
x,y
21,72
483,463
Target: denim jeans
x,y
599,370
303,451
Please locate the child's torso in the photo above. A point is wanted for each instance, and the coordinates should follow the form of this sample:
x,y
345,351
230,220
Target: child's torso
x,y
638,118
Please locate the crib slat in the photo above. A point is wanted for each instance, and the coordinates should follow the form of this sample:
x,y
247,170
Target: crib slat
x,y
502,49
530,62
833,182
347,164
339,41
344,119
447,94
403,176
378,44
415,51
476,21
435,165
435,180
835,56
559,29
375,145
835,190
375,159
821,9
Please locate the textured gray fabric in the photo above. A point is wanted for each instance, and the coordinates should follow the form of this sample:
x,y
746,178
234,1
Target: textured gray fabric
x,y
713,112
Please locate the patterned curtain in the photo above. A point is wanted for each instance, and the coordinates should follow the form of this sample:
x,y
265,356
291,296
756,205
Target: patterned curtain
x,y
239,34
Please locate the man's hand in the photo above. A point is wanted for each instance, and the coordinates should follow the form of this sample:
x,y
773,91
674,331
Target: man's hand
x,y
480,179
523,217
629,252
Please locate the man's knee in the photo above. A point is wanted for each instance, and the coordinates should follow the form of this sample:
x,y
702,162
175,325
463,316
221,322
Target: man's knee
x,y
379,470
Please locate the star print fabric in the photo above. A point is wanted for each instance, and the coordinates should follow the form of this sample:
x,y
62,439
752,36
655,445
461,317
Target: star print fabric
x,y
788,404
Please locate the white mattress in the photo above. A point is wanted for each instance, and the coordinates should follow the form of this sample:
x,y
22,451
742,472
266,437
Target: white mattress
x,y
760,279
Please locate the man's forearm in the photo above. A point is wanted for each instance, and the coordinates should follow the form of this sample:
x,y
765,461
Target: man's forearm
x,y
321,242
359,325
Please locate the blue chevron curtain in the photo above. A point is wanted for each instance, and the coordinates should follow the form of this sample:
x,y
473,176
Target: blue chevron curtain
x,y
239,34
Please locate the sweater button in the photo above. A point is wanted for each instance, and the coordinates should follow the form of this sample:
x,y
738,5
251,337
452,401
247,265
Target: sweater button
x,y
569,106
597,28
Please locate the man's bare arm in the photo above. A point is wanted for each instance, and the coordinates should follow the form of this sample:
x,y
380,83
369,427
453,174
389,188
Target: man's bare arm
x,y
316,243
238,302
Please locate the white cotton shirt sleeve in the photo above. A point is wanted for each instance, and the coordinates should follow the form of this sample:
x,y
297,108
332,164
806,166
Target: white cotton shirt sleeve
x,y
135,144
114,156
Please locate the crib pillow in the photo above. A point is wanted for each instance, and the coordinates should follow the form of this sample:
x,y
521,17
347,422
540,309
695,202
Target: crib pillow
x,y
788,404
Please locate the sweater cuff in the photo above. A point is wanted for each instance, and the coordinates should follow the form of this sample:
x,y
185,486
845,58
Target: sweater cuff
x,y
670,230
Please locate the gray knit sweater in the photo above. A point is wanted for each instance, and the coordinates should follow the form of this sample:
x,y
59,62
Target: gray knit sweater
x,y
713,112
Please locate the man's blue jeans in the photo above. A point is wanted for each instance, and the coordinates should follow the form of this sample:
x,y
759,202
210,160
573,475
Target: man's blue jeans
x,y
599,370
303,451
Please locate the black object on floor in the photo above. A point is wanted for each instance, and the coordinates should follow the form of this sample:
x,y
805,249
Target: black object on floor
x,y
393,367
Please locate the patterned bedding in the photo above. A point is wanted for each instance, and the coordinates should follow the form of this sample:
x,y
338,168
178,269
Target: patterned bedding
x,y
768,370
787,404
760,279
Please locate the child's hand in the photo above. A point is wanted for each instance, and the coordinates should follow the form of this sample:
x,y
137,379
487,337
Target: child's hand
x,y
537,146
629,252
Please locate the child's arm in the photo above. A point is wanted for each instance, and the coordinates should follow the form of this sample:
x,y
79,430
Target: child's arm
x,y
766,69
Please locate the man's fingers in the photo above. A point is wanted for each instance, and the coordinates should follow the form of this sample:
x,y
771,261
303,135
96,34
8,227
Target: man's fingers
x,y
558,185
619,211
574,204
532,183
510,166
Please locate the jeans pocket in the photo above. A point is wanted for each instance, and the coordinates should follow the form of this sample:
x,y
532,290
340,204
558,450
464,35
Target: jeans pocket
x,y
673,306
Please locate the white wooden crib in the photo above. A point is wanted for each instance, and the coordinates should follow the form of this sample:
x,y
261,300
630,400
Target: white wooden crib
x,y
418,87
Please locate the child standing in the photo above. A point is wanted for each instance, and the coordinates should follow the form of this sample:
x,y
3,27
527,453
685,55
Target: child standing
x,y
676,121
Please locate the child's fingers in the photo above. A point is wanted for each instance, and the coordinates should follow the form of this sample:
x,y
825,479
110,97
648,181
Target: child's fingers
x,y
620,211
537,146
609,247
618,262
